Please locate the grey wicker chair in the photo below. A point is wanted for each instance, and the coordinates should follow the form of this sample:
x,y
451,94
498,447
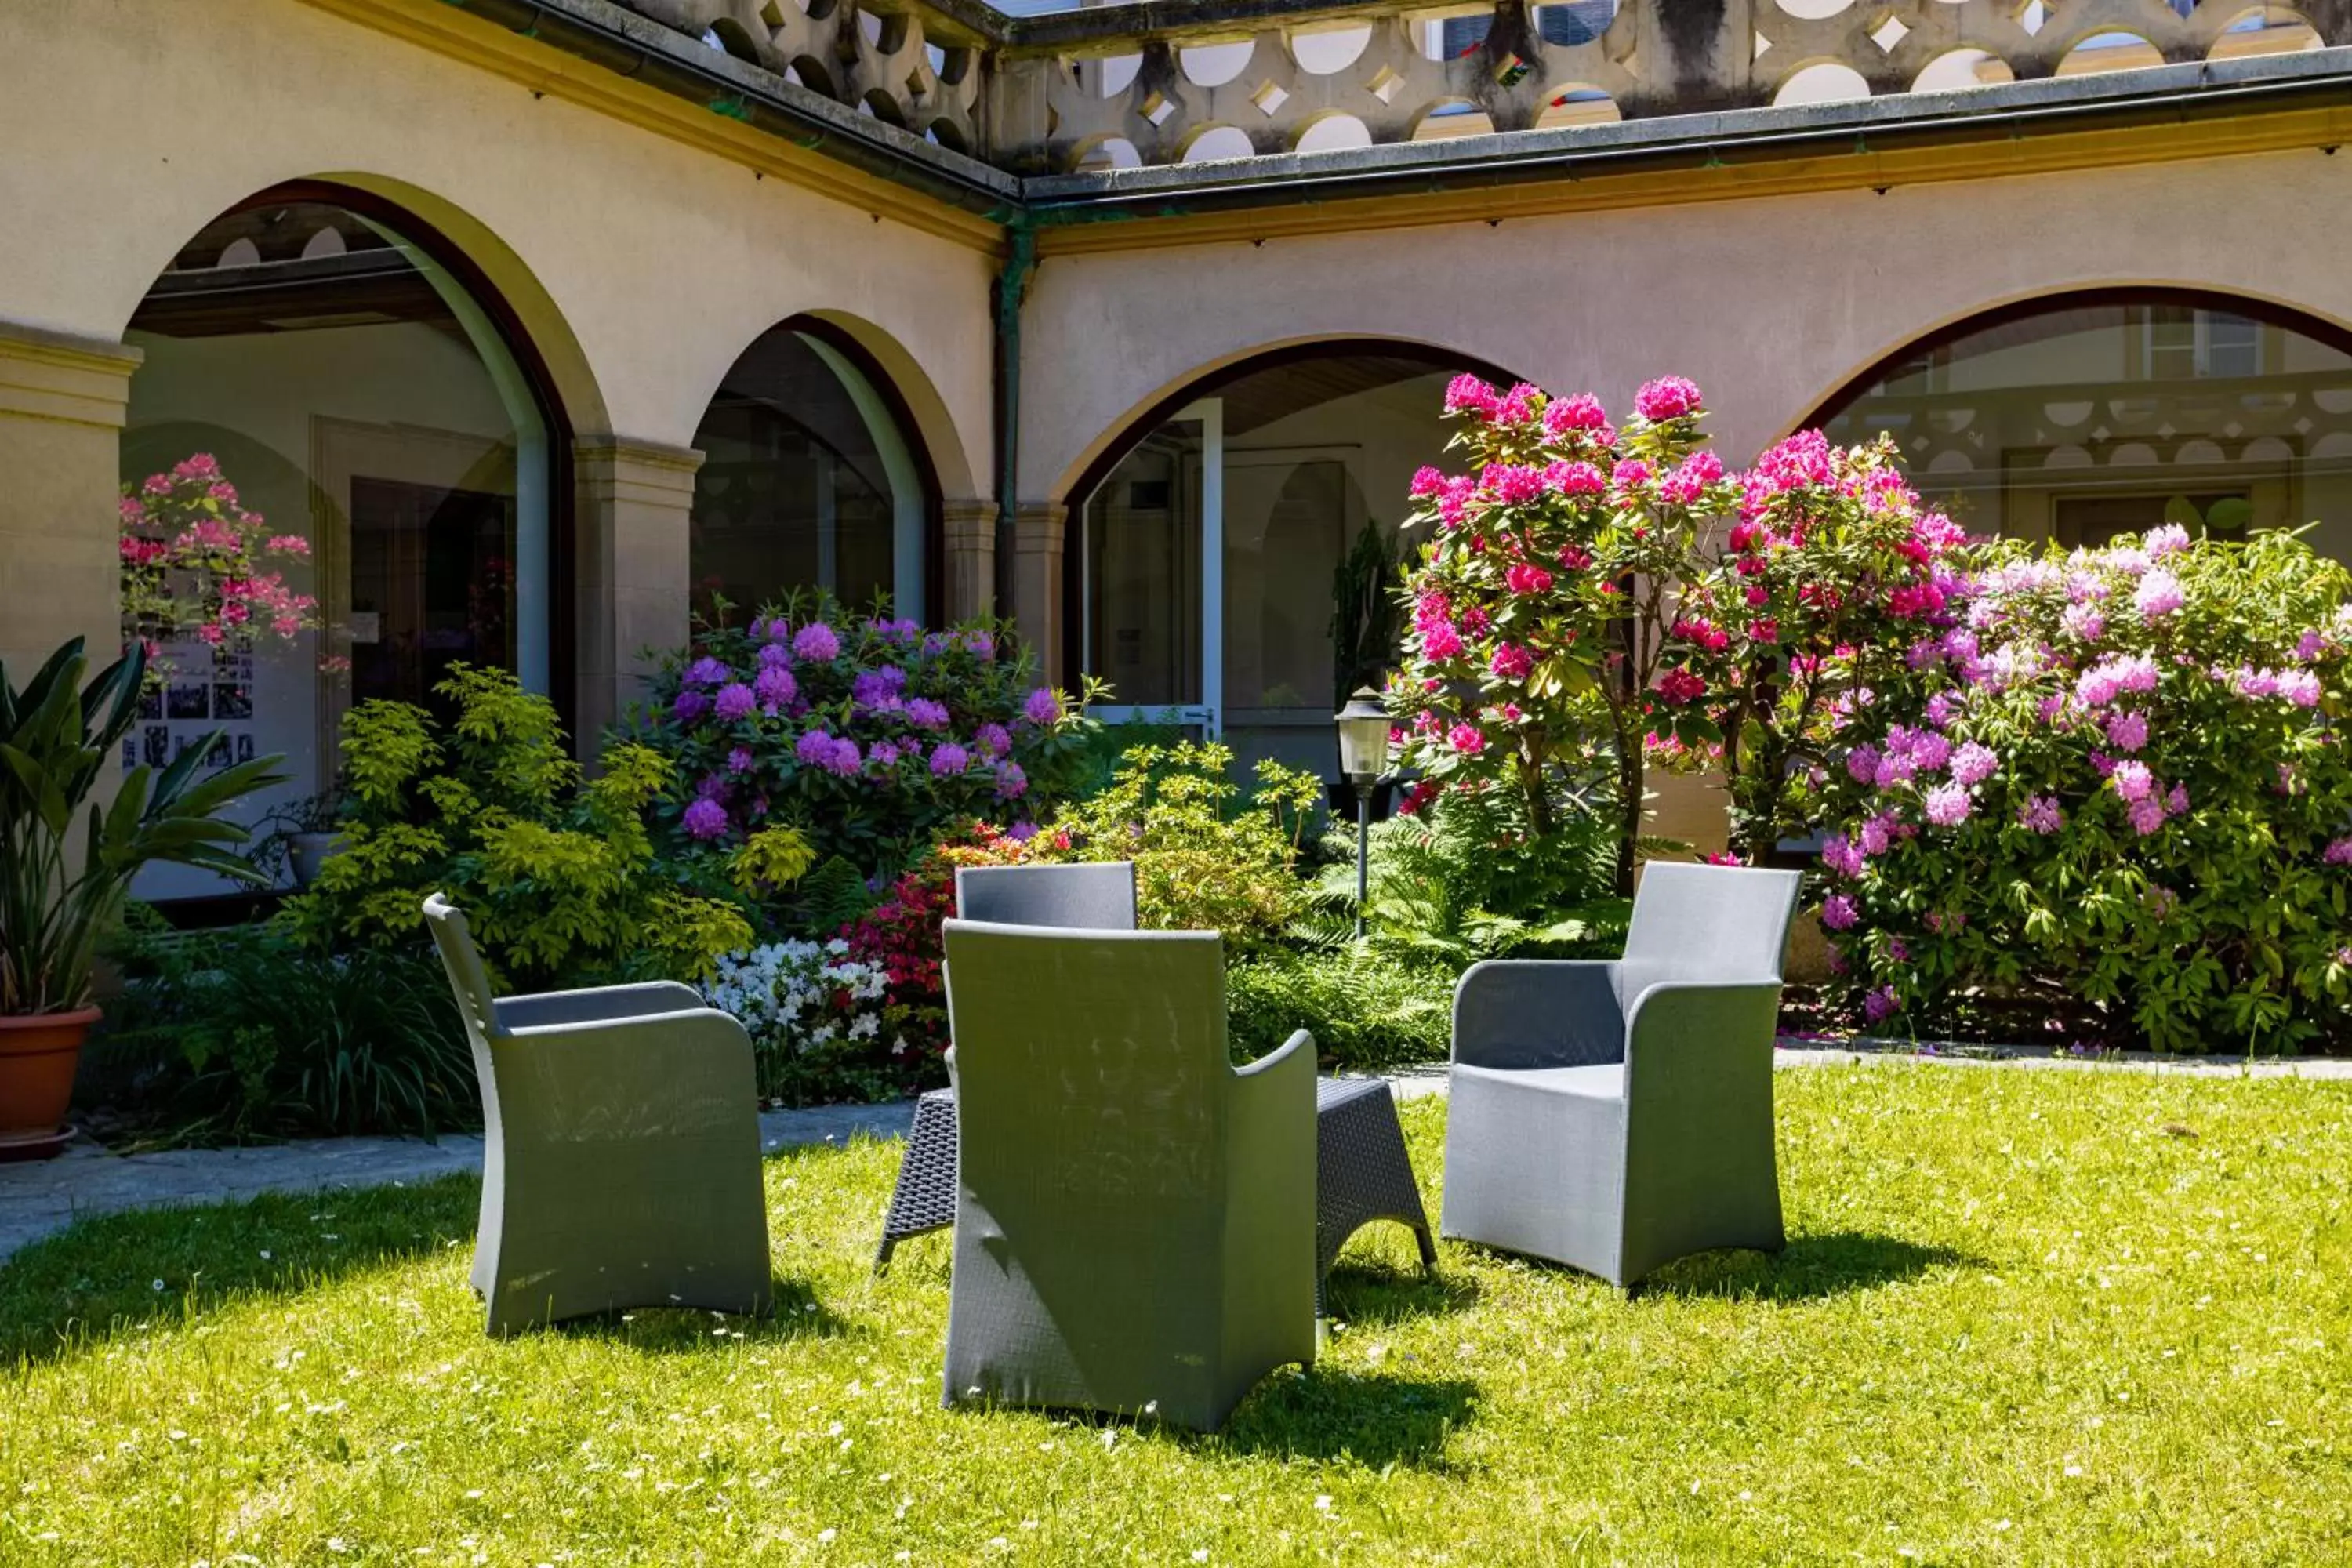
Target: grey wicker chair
x,y
1095,897
1615,1116
1135,1217
620,1150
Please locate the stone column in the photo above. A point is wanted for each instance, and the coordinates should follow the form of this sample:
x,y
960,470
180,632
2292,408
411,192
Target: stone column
x,y
62,403
1037,529
632,578
969,559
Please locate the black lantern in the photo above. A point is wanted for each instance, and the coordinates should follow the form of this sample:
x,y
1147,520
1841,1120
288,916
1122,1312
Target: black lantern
x,y
1363,754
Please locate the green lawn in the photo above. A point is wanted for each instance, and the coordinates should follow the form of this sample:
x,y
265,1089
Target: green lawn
x,y
2030,1317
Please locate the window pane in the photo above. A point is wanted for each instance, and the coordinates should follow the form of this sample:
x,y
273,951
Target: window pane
x,y
795,488
2094,418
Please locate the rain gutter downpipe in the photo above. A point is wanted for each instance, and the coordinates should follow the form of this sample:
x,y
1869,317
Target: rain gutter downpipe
x,y
1011,287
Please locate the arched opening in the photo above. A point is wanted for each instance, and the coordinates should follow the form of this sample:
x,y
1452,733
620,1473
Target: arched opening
x,y
1205,579
374,405
2083,416
811,479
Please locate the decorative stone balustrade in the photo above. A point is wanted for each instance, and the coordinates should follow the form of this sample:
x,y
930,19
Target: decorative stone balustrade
x,y
913,67
1165,81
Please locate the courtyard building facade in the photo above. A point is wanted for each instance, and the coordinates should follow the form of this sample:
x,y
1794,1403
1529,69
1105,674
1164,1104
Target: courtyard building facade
x,y
549,325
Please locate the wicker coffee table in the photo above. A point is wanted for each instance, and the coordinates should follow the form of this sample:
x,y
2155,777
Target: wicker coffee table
x,y
1361,1171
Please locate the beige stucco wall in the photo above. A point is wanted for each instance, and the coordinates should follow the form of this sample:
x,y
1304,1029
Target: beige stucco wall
x,y
1770,304
642,265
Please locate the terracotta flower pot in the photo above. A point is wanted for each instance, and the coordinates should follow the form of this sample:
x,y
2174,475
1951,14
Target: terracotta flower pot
x,y
38,1053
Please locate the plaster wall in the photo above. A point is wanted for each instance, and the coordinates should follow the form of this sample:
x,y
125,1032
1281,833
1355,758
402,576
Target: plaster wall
x,y
1770,304
641,266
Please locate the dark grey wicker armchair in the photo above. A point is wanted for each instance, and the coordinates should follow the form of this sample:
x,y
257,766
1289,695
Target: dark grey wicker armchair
x,y
1615,1116
1135,1217
619,1149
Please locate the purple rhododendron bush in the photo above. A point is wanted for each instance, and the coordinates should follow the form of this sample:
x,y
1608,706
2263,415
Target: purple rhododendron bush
x,y
2117,777
869,735
2109,786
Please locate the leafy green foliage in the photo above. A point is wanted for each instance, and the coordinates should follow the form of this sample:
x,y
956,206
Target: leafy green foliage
x,y
558,878
242,1034
1209,855
1465,878
1364,615
58,738
1368,1007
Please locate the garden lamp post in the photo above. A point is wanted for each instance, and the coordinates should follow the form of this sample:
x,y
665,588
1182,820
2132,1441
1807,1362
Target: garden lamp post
x,y
1363,748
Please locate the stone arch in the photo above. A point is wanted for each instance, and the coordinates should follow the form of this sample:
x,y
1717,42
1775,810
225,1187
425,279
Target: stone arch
x,y
1355,366
911,402
1103,450
1950,325
922,407
536,327
2140,392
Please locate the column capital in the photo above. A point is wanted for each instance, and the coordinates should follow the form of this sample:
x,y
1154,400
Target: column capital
x,y
1038,527
968,519
626,460
48,374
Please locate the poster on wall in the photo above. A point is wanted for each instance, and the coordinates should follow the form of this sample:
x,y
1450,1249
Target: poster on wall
x,y
208,690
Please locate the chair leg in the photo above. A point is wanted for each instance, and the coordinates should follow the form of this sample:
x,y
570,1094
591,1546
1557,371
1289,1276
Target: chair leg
x,y
1428,1247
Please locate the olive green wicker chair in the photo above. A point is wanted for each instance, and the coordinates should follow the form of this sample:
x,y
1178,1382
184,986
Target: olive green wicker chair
x,y
1135,1217
621,1148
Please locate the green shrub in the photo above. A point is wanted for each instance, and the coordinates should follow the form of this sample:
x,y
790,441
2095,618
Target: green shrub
x,y
244,1034
558,878
1208,855
1465,876
1368,1007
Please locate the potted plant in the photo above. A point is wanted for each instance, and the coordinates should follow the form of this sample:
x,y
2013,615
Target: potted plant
x,y
61,892
302,833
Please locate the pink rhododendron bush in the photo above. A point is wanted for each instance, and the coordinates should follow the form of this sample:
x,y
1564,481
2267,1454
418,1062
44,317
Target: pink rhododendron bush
x,y
2116,778
1594,593
196,570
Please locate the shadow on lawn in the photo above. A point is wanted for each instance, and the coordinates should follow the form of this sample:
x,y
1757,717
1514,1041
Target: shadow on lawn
x,y
1831,1263
1329,1415
670,1330
170,1269
1367,1295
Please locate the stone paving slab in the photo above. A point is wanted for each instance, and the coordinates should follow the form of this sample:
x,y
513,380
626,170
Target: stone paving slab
x,y
45,1195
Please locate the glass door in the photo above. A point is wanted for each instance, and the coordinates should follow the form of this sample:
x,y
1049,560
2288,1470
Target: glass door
x,y
1154,565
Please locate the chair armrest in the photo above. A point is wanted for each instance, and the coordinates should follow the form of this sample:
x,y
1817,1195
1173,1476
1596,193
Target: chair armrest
x,y
1300,1043
1694,1036
1269,1240
598,1004
1538,1013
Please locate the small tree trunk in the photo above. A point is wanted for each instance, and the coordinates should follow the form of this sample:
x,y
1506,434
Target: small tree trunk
x,y
1629,809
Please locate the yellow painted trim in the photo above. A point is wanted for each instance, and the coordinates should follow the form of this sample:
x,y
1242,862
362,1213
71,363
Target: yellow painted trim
x,y
459,35
1977,157
64,378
